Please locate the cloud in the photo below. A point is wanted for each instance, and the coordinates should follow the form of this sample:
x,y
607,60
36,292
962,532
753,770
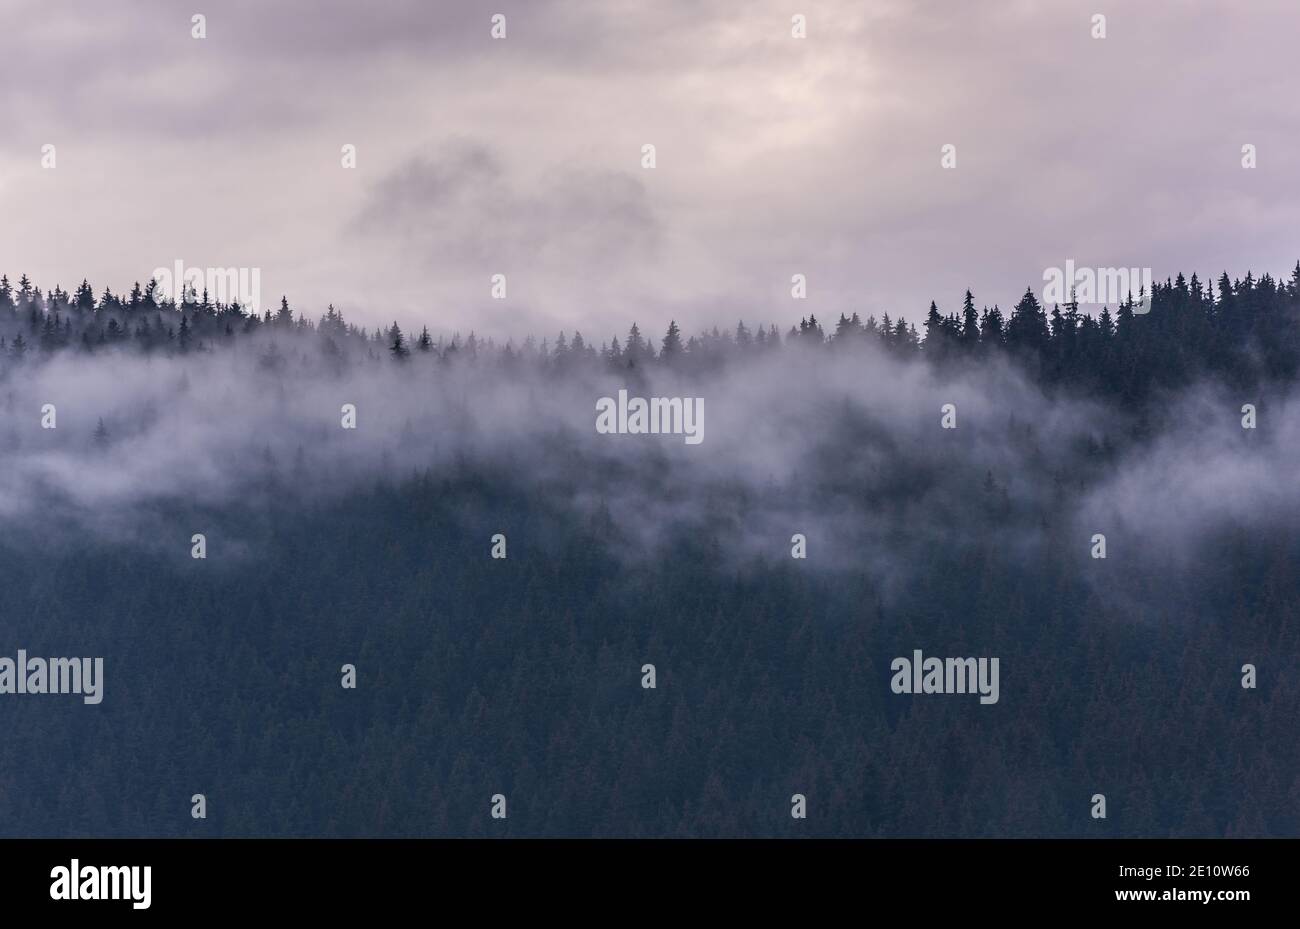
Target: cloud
x,y
463,206
775,155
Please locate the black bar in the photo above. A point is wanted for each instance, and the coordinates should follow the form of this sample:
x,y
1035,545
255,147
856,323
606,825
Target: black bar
x,y
625,878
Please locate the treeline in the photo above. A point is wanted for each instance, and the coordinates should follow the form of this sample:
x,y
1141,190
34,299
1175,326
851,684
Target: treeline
x,y
1244,332
523,676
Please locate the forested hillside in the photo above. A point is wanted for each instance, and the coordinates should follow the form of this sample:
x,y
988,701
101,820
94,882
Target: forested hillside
x,y
1243,331
522,675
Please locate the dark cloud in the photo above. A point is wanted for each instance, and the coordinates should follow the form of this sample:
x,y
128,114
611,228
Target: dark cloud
x,y
461,212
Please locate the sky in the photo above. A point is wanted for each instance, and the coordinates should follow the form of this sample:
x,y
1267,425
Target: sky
x,y
523,156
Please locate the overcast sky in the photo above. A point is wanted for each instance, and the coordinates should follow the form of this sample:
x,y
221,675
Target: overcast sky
x,y
522,156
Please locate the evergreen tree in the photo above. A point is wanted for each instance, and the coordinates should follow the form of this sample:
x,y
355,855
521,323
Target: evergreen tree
x,y
672,343
1027,329
636,351
397,343
970,326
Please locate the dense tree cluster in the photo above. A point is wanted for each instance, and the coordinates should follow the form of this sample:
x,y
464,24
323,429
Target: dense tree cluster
x,y
523,676
1241,331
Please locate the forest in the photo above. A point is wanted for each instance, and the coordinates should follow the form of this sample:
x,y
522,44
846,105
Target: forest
x,y
1243,334
523,675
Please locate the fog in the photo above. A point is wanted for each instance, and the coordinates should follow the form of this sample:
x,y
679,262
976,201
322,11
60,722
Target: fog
x,y
843,446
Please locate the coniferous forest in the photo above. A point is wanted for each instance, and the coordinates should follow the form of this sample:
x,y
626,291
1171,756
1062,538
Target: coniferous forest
x,y
1169,424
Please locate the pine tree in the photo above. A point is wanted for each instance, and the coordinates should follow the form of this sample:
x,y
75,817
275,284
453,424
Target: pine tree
x,y
397,343
970,325
1028,326
1106,324
85,299
672,343
636,350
